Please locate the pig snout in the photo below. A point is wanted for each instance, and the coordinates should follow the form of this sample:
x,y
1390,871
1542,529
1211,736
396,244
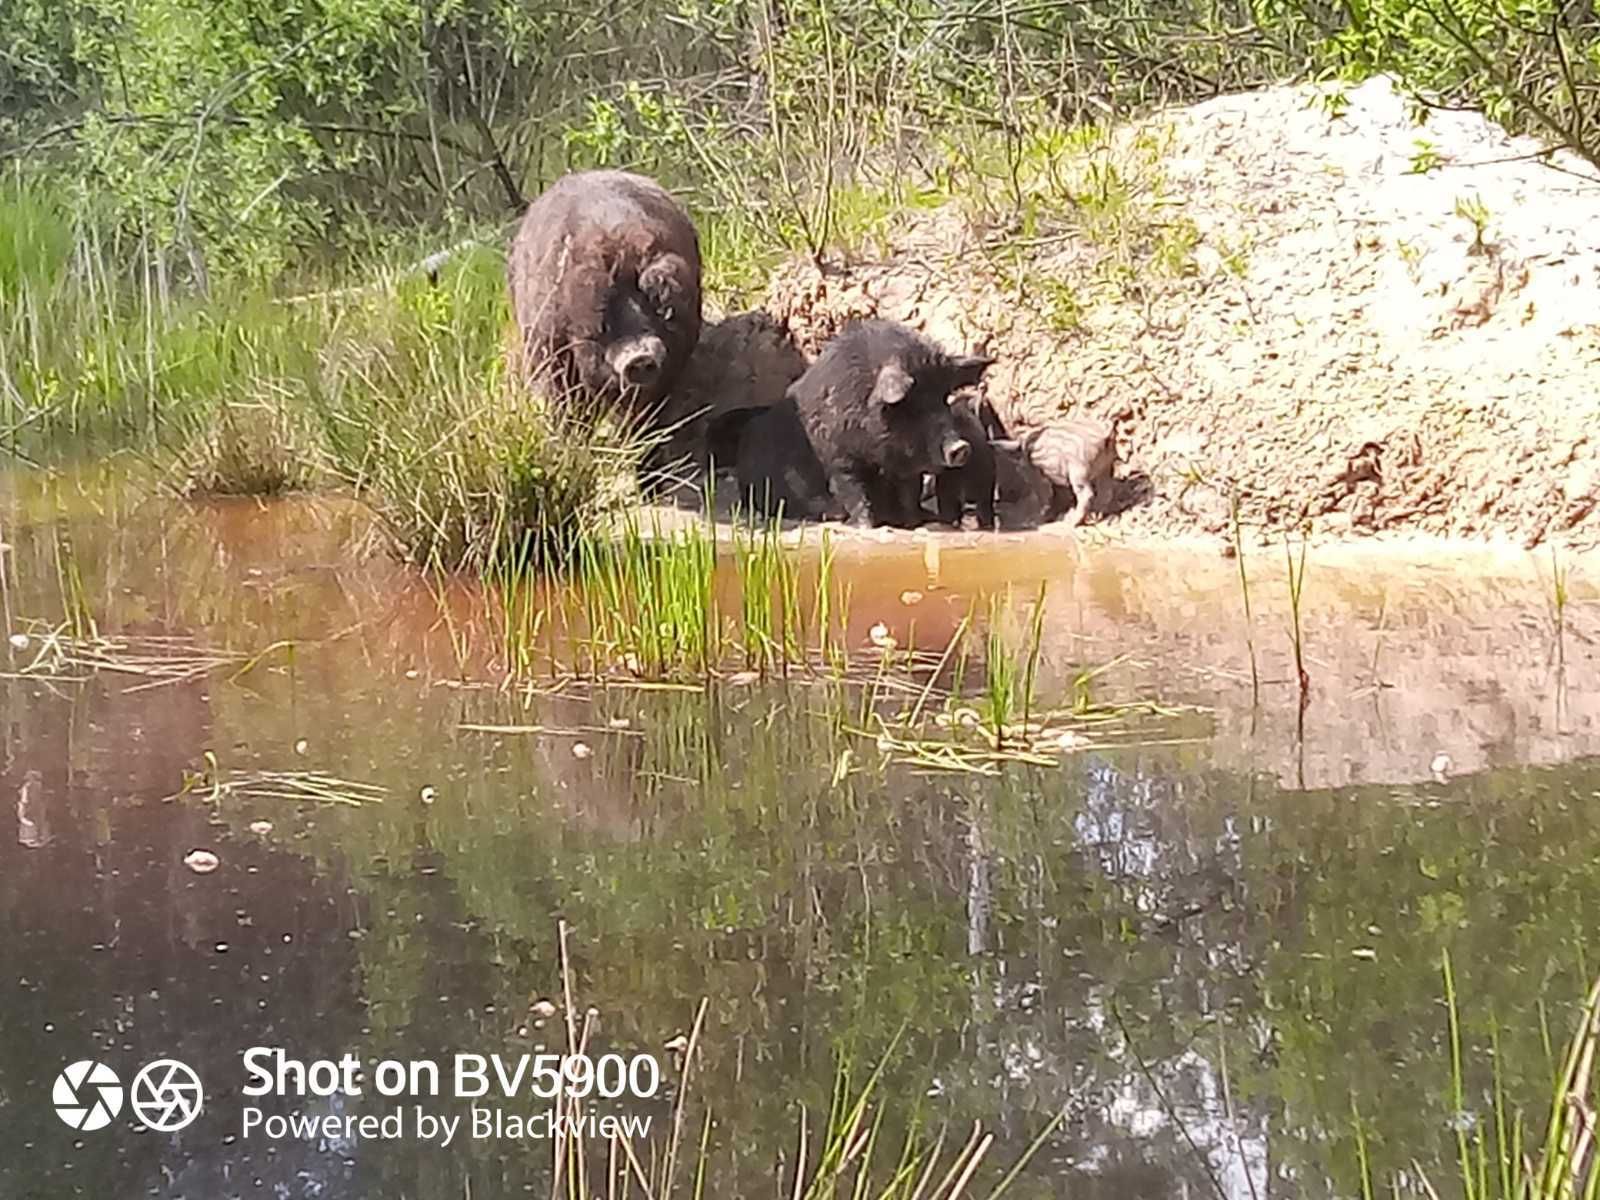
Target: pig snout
x,y
956,452
639,363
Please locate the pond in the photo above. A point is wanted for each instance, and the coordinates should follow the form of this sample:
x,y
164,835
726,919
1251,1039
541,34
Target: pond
x,y
1196,951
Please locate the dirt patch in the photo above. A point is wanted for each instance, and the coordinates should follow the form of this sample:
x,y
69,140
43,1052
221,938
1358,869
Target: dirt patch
x,y
1372,323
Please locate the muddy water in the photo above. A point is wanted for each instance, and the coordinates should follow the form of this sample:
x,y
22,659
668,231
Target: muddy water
x,y
1208,951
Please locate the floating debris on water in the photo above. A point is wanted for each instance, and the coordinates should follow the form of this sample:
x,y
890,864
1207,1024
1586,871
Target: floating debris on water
x,y
317,787
261,828
201,862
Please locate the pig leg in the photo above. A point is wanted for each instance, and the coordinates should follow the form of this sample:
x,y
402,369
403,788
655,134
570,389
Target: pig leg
x,y
908,502
852,495
896,501
980,480
1057,501
1083,489
949,493
986,517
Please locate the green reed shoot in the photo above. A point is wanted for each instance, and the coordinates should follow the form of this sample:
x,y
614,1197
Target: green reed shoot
x,y
1560,594
650,601
1297,579
1035,643
519,618
1244,590
75,607
1002,676
767,596
1565,1167
834,654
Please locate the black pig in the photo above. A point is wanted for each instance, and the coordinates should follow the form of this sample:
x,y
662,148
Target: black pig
x,y
605,286
975,481
779,473
875,408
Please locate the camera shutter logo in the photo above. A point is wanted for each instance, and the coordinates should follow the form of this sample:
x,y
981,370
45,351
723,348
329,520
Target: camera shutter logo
x,y
87,1095
166,1095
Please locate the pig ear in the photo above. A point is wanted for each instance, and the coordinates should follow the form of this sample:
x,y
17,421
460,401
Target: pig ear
x,y
893,385
660,278
968,370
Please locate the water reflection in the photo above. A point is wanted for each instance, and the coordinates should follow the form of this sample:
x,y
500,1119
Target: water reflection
x,y
1207,967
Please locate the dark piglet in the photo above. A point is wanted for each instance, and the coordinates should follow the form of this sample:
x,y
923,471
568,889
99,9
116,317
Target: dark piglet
x,y
743,362
876,413
779,474
974,482
605,287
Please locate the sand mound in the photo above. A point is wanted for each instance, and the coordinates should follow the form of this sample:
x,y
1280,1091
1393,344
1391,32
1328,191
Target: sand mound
x,y
1345,338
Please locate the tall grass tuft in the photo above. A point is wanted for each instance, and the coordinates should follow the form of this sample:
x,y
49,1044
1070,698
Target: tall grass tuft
x,y
96,353
464,469
648,600
257,448
1495,1159
772,630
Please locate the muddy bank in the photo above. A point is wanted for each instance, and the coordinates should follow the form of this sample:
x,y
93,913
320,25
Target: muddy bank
x,y
1341,315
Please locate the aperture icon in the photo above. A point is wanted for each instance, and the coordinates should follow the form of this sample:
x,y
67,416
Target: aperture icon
x,y
87,1095
166,1095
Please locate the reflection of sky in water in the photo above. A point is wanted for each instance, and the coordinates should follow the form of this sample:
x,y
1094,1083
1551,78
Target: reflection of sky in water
x,y
1235,1147
1120,825
1114,824
1148,840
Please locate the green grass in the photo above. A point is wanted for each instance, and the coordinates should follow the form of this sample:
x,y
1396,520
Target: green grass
x,y
253,448
647,600
1495,1156
386,384
842,1156
95,355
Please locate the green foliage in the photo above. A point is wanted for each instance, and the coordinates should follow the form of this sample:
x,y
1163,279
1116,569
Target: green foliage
x,y
1532,65
225,139
1474,210
1426,158
228,139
